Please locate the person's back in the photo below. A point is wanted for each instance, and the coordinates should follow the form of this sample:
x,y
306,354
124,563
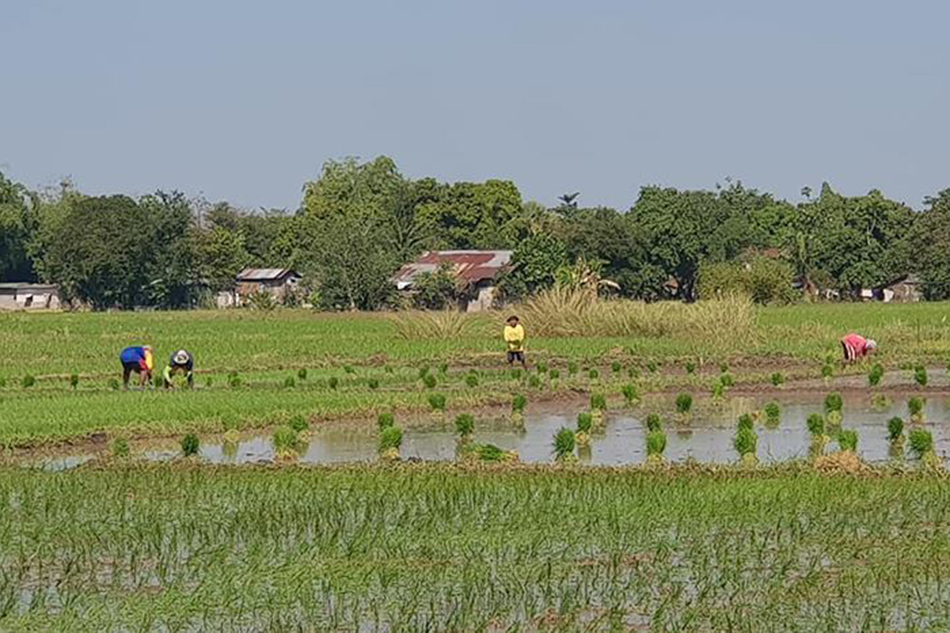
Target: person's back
x,y
856,346
132,355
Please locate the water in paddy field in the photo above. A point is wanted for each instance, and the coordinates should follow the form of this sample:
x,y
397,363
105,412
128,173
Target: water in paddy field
x,y
706,437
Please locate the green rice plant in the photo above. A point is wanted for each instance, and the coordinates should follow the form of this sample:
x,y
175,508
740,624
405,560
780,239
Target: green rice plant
x,y
209,382
745,443
915,405
834,402
598,402
385,420
234,381
390,441
723,367
423,372
302,373
471,380
921,442
745,422
652,367
518,403
848,440
633,373
437,402
373,383
465,425
27,381
554,374
285,441
816,424
631,394
616,367
895,429
773,412
299,423
388,369
74,380
875,375
534,381
718,391
542,368
684,404
656,445
585,422
120,448
654,422
490,453
920,375
3,383
778,379
690,367
515,373
114,384
834,419
572,368
333,383
827,371
430,381
349,369
879,401
564,443
726,380
443,368
190,444
593,374
289,382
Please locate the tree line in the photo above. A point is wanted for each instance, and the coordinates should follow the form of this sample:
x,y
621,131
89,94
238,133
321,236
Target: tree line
x,y
359,222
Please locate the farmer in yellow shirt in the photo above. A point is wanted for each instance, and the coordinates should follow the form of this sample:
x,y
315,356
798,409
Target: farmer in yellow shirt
x,y
514,338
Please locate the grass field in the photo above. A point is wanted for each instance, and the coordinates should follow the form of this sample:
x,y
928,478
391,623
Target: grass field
x,y
375,367
445,548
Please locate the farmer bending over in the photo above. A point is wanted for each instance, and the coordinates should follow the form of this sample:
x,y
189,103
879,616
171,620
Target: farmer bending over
x,y
856,346
514,338
182,362
138,360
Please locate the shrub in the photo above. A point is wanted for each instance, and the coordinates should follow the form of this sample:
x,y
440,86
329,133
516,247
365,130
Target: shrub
x,y
772,411
726,380
518,403
285,440
656,443
654,422
385,420
572,368
299,423
848,440
616,367
27,381
74,380
585,422
921,442
564,442
439,289
593,374
430,381
373,383
333,383
745,422
390,439
745,441
684,403
437,401
120,447
598,402
690,367
465,424
289,382
763,279
630,393
190,445
895,428
875,375
816,424
471,380
915,405
920,375
834,402
302,373
778,379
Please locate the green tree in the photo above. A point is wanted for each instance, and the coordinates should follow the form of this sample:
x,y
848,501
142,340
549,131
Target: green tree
x,y
172,264
929,240
18,224
469,215
438,290
534,265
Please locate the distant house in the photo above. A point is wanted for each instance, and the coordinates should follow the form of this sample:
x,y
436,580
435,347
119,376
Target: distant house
x,y
478,269
905,289
26,296
277,282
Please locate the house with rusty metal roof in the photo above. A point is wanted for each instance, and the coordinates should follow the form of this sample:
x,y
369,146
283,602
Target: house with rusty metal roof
x,y
277,282
478,269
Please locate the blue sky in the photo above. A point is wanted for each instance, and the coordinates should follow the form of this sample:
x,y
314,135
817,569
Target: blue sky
x,y
244,101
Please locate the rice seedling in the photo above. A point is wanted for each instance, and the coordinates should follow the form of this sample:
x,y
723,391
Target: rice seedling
x,y
120,448
656,446
827,371
652,366
920,375
285,441
915,406
598,402
654,422
423,372
534,381
27,381
745,421
777,379
209,382
875,375
572,368
234,381
373,383
437,402
333,383
921,442
554,374
848,440
388,369
430,381
114,384
490,453
3,383
816,424
564,443
726,380
684,404
718,391
633,373
515,373
190,444
74,380
390,441
593,374
585,425
833,402
518,403
690,367
723,367
895,429
631,394
385,420
773,412
289,382
299,423
302,373
616,367
471,380
745,443
542,368
465,425
349,369
443,368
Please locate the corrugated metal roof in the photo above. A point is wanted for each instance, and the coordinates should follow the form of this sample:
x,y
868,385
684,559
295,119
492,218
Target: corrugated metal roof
x,y
264,274
472,266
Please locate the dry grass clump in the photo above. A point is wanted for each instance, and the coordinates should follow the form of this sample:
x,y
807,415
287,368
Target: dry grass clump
x,y
438,325
840,462
563,312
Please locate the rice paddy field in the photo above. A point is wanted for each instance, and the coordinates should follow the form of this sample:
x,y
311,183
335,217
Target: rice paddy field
x,y
710,467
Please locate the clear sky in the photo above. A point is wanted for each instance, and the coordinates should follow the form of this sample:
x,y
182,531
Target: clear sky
x,y
244,101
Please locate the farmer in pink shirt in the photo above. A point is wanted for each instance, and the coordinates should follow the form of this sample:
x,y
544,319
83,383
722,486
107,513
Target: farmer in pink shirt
x,y
856,346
